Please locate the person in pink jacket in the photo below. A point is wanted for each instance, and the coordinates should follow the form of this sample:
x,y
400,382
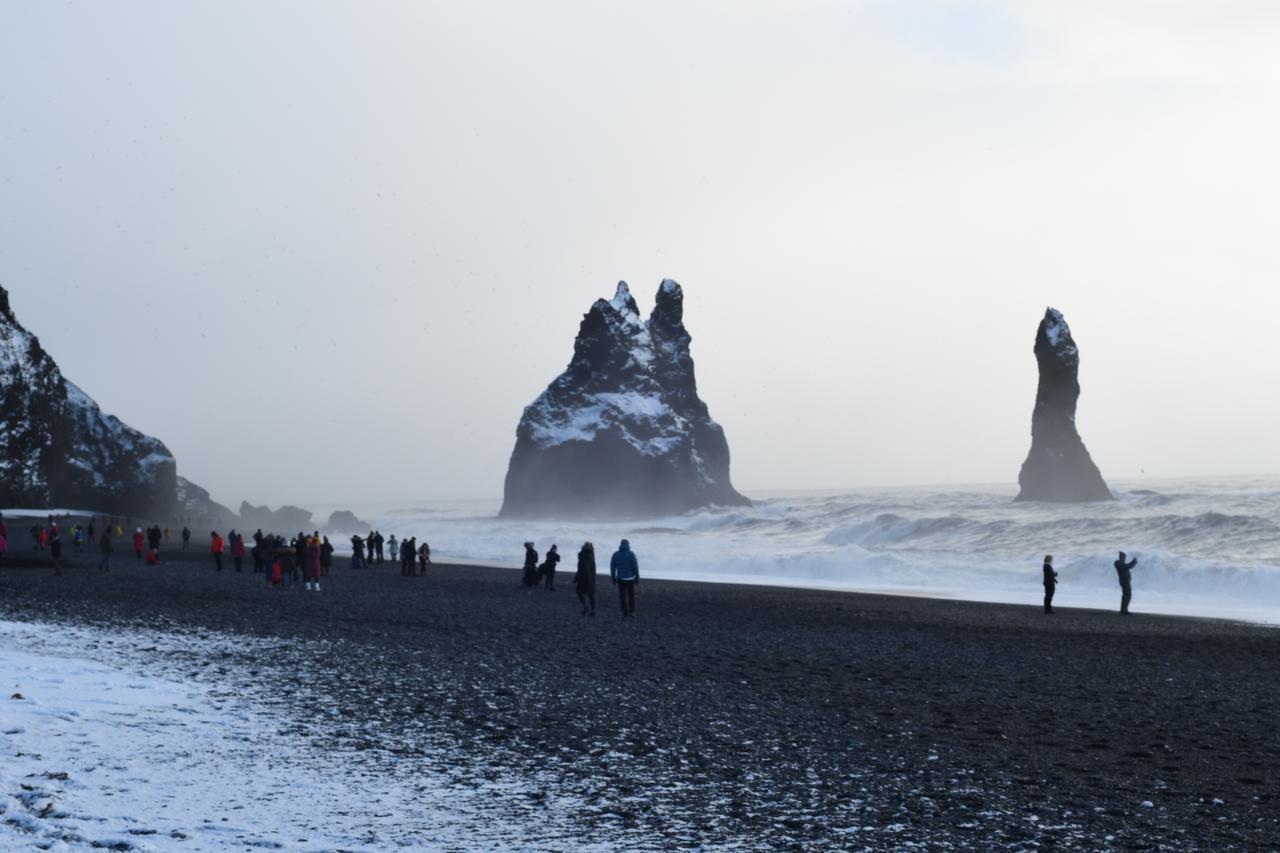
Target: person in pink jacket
x,y
311,563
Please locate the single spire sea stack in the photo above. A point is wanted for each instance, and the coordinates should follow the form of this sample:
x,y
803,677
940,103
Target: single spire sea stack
x,y
1058,467
622,432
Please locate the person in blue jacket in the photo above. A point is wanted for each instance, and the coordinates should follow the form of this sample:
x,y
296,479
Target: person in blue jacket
x,y
624,570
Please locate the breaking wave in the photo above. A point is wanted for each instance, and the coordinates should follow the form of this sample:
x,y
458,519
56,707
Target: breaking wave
x,y
1204,547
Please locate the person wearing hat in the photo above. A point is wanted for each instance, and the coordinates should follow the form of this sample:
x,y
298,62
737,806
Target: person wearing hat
x,y
530,577
624,571
1050,584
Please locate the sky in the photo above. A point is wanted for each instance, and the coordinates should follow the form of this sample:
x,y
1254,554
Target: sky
x,y
327,252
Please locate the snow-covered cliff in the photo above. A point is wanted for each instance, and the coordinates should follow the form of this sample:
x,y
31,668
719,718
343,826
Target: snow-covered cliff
x,y
58,448
1059,467
622,432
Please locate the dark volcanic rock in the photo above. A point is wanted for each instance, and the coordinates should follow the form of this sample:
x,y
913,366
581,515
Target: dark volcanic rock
x,y
286,519
345,521
58,449
622,432
195,506
1059,467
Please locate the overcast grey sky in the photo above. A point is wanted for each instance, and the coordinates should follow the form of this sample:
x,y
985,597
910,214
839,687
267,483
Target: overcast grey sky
x,y
328,251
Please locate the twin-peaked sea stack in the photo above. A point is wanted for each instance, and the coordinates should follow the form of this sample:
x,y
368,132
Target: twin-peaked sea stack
x,y
622,432
1059,467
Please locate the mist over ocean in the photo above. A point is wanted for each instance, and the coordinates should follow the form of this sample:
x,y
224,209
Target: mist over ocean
x,y
1206,547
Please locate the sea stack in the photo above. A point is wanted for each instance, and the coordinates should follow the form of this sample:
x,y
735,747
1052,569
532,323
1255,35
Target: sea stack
x,y
621,433
58,450
1059,467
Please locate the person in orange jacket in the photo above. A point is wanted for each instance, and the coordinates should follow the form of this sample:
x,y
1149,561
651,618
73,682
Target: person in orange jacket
x,y
138,542
217,548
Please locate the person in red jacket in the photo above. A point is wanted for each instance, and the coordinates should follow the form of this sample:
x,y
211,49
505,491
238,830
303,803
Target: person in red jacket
x,y
153,557
237,551
138,542
217,548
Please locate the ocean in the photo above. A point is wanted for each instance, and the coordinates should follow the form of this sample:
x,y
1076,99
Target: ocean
x,y
1205,547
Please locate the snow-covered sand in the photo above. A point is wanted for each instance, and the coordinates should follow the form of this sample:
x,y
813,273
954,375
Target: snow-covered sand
x,y
95,754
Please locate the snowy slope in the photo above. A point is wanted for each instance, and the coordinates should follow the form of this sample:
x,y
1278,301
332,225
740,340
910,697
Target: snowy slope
x,y
622,430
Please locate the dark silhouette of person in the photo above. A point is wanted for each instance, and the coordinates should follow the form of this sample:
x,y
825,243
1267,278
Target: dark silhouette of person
x,y
1126,588
549,568
624,571
1050,583
530,577
584,581
186,538
357,552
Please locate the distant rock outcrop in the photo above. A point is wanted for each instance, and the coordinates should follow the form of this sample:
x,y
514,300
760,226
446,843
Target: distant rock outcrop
x,y
58,449
622,432
196,508
345,521
285,520
1059,467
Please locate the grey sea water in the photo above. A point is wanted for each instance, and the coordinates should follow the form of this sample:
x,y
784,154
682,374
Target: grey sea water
x,y
1206,547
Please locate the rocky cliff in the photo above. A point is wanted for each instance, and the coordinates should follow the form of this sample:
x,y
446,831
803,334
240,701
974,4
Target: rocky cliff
x,y
622,431
1058,468
59,450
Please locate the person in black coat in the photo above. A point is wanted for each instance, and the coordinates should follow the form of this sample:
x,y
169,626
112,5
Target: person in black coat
x,y
584,582
530,577
549,568
1126,590
1050,583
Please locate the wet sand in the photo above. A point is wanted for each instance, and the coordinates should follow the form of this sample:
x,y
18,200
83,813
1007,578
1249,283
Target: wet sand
x,y
749,716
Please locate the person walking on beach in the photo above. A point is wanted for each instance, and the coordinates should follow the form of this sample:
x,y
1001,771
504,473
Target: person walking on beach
x,y
138,542
378,543
92,530
1050,584
357,552
584,581
549,568
55,551
394,546
1126,588
624,571
424,557
237,550
186,538
530,577
105,547
217,546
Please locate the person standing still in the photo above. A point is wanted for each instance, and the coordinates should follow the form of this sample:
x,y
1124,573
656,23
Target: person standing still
x,y
584,581
1050,584
216,546
624,571
186,538
1126,588
104,545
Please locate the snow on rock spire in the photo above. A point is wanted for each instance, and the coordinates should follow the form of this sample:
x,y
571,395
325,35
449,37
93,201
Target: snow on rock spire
x,y
1059,467
621,432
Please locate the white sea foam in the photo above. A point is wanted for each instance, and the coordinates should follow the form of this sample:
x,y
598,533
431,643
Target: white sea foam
x,y
1207,548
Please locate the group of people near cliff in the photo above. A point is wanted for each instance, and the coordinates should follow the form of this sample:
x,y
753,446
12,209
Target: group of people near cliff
x,y
624,573
407,551
1123,569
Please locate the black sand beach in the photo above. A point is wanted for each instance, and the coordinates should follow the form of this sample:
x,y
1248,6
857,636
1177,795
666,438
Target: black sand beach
x,y
746,716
